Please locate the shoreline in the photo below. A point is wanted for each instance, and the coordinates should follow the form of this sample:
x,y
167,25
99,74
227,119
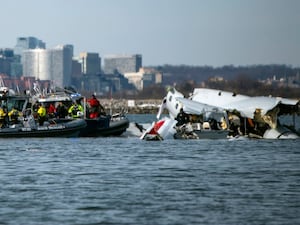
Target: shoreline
x,y
140,106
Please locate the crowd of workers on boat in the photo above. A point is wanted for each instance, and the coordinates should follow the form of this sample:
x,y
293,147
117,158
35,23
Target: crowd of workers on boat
x,y
209,123
235,124
42,112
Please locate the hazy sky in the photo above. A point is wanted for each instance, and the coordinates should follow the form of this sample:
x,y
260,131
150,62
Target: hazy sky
x,y
191,32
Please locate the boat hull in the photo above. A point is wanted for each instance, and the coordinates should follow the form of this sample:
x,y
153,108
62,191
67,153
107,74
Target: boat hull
x,y
104,127
61,129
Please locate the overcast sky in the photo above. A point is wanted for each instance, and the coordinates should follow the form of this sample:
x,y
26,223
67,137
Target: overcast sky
x,y
190,32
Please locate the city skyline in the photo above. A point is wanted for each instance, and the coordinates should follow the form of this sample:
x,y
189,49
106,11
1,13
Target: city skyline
x,y
194,32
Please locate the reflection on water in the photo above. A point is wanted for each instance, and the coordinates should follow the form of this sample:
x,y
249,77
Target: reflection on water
x,y
129,181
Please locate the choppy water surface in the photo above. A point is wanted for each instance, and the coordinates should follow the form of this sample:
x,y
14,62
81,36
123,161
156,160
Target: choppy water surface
x,y
128,181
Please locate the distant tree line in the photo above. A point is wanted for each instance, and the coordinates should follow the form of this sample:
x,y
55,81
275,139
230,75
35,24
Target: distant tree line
x,y
202,73
246,85
242,80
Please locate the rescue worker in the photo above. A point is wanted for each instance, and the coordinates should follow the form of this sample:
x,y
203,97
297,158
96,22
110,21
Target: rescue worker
x,y
42,113
182,118
51,110
95,108
13,115
234,125
76,110
2,117
61,110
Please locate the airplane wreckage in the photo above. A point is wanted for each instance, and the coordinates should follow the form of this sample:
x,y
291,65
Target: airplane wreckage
x,y
216,114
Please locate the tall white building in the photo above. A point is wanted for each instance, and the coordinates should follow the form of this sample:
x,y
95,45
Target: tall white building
x,y
49,64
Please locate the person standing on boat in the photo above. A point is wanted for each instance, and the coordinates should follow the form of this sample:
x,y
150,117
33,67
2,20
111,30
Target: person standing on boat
x,y
51,110
234,124
14,115
35,108
95,108
42,113
61,110
76,110
2,117
182,118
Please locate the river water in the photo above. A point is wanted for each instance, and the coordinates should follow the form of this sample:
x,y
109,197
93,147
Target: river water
x,y
125,180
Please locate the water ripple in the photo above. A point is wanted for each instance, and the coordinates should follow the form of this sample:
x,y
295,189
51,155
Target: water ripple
x,y
129,181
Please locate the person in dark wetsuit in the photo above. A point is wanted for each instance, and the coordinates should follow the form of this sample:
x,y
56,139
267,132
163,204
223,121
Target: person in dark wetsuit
x,y
182,118
61,110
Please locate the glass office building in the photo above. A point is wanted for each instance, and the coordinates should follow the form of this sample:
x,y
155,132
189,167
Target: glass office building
x,y
49,64
122,63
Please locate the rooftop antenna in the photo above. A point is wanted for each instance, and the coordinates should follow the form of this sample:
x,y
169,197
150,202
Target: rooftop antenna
x,y
36,88
2,82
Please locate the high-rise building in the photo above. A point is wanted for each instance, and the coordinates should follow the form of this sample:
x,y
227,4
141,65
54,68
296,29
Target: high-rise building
x,y
25,43
90,63
144,78
122,63
51,64
6,58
